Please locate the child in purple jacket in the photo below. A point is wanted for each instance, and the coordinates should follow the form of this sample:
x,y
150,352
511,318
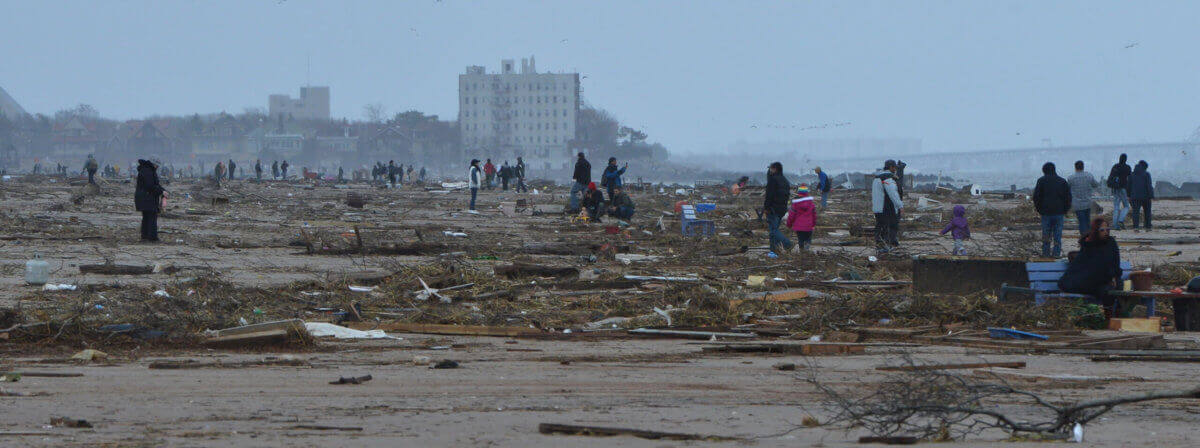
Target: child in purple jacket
x,y
959,229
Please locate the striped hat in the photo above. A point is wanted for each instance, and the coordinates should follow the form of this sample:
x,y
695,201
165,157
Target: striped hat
x,y
803,189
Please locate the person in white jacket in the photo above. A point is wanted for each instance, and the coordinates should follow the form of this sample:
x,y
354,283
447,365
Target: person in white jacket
x,y
473,183
886,204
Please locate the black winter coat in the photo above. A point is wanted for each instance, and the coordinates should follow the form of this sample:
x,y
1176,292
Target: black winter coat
x,y
1052,195
1093,269
1141,187
1120,172
583,172
778,194
148,195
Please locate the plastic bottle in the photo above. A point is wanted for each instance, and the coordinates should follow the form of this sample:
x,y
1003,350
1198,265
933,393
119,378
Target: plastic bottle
x,y
37,271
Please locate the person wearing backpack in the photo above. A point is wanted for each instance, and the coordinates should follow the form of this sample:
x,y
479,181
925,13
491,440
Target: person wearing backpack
x,y
1118,182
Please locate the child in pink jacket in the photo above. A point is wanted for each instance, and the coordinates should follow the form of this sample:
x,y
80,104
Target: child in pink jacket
x,y
802,217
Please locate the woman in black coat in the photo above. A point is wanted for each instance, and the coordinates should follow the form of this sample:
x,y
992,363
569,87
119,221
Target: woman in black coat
x,y
1097,266
148,199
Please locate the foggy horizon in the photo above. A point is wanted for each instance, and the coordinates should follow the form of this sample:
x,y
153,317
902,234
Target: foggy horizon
x,y
697,77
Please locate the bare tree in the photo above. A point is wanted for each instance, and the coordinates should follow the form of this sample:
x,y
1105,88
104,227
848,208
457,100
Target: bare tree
x,y
375,112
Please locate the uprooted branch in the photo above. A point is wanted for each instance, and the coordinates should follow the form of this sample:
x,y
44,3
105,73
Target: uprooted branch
x,y
940,405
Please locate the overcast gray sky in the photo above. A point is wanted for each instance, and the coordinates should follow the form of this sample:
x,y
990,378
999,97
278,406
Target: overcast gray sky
x,y
696,75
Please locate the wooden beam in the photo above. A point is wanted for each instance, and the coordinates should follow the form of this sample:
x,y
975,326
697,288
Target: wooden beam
x,y
600,431
455,330
974,365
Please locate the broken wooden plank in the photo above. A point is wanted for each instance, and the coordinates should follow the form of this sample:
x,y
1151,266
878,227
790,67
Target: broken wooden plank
x,y
799,348
1147,358
600,431
277,336
889,440
115,269
644,278
328,428
456,330
689,334
972,365
194,364
50,374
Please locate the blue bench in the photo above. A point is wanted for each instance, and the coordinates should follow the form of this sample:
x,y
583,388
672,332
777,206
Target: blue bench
x,y
1043,283
690,225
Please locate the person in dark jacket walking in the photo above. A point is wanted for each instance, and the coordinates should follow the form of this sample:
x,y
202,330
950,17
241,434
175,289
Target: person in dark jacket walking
x,y
1118,182
775,205
232,169
274,169
147,198
258,170
1141,192
505,174
519,172
1052,199
582,177
283,167
612,176
1096,268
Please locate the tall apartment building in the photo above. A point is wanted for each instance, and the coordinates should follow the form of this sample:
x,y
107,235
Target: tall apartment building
x,y
313,104
509,114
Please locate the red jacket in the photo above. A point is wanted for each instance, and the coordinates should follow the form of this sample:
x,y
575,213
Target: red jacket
x,y
489,169
803,216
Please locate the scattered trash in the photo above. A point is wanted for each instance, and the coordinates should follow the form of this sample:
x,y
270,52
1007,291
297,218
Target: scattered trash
x,y
445,364
787,366
455,234
362,288
323,329
421,360
58,287
89,355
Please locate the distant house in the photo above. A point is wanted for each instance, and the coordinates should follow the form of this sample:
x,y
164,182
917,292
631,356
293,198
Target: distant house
x,y
223,138
151,139
75,139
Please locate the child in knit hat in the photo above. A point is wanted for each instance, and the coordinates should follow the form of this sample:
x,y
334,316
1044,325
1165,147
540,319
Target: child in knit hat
x,y
802,218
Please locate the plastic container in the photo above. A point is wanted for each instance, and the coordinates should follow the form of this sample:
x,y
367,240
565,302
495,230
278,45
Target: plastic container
x,y
37,271
1142,280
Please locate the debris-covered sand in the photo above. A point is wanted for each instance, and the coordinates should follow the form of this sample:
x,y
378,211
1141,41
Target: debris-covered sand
x,y
251,253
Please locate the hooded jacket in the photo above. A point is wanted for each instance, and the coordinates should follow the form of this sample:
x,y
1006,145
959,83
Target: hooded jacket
x,y
823,184
1141,187
777,194
1093,268
958,226
1120,172
1051,195
583,171
802,217
148,195
884,194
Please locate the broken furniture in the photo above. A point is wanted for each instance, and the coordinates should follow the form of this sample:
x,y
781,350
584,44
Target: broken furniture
x,y
690,225
1043,283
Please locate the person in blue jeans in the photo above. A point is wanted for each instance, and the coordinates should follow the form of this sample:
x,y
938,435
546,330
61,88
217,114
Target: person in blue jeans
x,y
1052,199
823,186
775,205
1118,182
582,177
1082,184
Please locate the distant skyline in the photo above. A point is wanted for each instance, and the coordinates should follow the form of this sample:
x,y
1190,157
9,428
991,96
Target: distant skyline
x,y
697,76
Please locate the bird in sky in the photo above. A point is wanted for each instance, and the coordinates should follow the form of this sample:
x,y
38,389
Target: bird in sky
x,y
1131,45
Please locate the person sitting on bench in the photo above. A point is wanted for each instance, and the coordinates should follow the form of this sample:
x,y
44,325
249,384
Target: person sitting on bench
x,y
1096,268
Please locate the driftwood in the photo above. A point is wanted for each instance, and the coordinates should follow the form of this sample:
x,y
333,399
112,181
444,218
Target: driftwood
x,y
580,430
391,249
115,269
533,270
